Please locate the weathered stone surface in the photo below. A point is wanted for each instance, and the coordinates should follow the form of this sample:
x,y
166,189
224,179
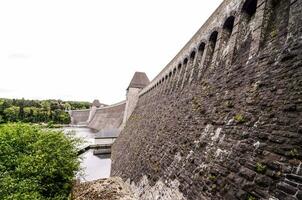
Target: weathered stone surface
x,y
103,189
226,122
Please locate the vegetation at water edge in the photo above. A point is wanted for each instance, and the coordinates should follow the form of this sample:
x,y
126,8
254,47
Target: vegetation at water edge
x,y
36,163
35,111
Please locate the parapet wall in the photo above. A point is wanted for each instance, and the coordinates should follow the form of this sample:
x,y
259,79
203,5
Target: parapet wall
x,y
223,120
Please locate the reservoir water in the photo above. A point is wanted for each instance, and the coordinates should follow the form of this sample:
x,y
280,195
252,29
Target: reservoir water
x,y
93,166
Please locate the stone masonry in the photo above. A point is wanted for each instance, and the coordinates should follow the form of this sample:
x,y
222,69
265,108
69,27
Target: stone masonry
x,y
223,120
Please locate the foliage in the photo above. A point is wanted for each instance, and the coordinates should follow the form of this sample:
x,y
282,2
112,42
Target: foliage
x,y
293,153
260,168
36,163
250,197
239,118
15,110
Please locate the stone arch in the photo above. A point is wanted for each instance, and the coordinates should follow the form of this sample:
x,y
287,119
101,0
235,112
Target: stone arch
x,y
200,54
181,72
175,76
245,31
185,60
228,28
192,54
179,67
191,65
184,71
249,7
276,23
211,48
201,48
226,33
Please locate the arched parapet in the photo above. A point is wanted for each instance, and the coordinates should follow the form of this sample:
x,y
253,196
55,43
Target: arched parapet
x,y
215,22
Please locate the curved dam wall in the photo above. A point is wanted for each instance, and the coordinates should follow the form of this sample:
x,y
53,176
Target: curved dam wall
x,y
223,120
108,118
79,117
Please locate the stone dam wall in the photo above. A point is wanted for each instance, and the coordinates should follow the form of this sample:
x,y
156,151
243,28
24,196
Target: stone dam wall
x,y
107,118
79,117
223,120
112,118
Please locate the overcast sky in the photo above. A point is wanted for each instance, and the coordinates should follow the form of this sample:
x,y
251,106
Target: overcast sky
x,y
90,49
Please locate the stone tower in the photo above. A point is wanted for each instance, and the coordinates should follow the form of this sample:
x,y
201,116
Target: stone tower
x,y
138,82
94,106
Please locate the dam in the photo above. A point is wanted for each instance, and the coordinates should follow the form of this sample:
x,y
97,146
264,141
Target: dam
x,y
223,119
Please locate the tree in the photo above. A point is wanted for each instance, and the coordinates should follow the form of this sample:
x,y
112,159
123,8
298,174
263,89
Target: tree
x,y
12,113
38,111
35,163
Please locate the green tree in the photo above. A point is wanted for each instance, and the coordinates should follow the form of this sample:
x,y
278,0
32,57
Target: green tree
x,y
35,163
12,113
38,111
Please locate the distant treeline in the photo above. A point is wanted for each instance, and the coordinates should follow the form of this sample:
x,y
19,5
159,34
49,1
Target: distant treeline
x,y
35,111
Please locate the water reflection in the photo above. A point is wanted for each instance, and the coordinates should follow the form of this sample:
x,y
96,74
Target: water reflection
x,y
94,167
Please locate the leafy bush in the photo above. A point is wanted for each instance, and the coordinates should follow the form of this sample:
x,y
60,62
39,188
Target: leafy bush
x,y
36,163
260,168
239,118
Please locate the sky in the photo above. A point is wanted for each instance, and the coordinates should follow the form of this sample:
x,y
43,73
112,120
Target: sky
x,y
89,49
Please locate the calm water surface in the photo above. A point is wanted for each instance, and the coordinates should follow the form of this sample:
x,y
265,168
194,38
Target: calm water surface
x,y
94,167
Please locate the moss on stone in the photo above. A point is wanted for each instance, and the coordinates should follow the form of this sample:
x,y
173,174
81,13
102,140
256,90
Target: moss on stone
x,y
239,118
260,168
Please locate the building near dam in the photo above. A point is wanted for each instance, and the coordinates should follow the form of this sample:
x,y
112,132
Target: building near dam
x,y
223,119
111,118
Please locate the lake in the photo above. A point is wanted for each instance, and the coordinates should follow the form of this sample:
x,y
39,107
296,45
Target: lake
x,y
93,166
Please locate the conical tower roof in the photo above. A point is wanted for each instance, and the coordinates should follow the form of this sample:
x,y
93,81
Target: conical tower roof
x,y
96,103
139,80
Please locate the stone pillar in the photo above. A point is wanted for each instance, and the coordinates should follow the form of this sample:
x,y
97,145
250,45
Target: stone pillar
x,y
215,56
187,72
203,62
181,75
175,79
194,68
